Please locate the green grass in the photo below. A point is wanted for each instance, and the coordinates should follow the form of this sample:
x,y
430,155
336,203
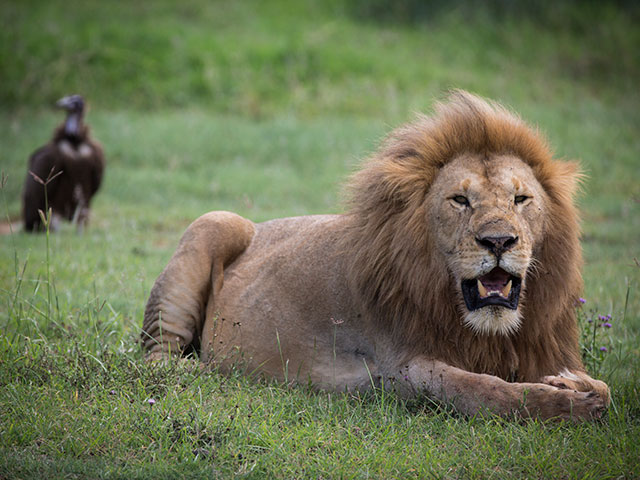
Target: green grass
x,y
264,108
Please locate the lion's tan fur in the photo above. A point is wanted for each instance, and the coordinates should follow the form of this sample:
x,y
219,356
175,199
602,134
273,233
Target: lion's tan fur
x,y
373,295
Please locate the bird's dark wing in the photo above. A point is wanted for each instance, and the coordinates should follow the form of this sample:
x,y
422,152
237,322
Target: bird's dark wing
x,y
97,161
42,161
42,164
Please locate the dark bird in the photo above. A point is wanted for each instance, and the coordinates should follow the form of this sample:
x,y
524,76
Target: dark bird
x,y
70,167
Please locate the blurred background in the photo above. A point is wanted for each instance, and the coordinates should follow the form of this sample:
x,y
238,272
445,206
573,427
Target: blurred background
x,y
368,58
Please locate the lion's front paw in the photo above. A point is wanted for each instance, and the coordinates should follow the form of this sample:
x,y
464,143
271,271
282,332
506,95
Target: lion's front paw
x,y
561,382
555,403
585,406
578,381
567,404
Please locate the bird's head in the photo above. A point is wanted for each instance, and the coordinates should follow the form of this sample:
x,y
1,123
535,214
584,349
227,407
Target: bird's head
x,y
71,104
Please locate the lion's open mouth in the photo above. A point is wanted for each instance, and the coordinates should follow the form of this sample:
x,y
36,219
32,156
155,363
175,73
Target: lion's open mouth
x,y
494,288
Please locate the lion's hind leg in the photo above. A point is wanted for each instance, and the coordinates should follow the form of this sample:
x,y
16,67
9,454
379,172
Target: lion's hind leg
x,y
175,311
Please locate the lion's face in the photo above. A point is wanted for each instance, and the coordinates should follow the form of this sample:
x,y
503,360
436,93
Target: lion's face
x,y
488,219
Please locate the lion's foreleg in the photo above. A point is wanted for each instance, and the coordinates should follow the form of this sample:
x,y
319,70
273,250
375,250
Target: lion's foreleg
x,y
175,311
472,393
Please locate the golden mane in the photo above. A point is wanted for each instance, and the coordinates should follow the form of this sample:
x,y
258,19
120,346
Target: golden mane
x,y
401,277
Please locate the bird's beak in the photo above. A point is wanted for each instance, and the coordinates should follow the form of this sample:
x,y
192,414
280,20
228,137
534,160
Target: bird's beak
x,y
65,102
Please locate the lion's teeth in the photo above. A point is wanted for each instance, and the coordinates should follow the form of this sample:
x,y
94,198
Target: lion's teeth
x,y
506,290
481,290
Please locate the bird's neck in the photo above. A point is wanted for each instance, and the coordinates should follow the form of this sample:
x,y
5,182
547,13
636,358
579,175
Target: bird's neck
x,y
73,125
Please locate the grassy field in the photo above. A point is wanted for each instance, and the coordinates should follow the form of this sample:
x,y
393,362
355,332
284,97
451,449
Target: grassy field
x,y
264,108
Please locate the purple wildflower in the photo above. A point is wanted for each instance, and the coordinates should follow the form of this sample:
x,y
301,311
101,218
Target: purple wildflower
x,y
603,349
151,402
582,300
608,317
112,392
602,318
607,325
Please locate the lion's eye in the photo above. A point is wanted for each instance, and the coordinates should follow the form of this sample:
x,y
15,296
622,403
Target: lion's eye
x,y
461,199
520,199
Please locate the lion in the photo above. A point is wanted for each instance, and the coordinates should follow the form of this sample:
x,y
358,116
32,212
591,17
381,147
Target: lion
x,y
453,274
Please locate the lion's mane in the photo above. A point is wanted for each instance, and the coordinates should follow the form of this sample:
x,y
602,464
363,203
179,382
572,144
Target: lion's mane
x,y
401,277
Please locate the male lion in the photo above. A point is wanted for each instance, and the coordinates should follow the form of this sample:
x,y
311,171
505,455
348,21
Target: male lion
x,y
454,273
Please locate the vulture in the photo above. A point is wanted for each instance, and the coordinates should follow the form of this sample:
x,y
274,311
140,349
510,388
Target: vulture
x,y
70,167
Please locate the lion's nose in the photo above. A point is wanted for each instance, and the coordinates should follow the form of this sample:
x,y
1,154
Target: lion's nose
x,y
497,245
